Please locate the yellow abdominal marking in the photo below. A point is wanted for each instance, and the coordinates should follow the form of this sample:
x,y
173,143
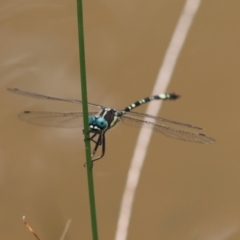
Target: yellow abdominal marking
x,y
114,121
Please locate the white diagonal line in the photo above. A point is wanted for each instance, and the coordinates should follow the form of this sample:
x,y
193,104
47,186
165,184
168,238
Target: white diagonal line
x,y
162,81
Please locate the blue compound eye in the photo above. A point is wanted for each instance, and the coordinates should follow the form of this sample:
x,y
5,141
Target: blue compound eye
x,y
101,123
91,119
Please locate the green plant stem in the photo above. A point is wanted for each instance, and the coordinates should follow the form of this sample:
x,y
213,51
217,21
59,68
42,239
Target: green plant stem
x,y
85,120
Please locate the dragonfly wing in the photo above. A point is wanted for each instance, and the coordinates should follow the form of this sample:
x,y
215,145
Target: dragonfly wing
x,y
183,135
142,117
54,119
47,97
169,131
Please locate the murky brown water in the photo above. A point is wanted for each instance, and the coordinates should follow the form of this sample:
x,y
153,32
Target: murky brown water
x,y
187,191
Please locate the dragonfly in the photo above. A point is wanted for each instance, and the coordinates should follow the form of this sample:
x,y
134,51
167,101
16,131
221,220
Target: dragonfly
x,y
104,118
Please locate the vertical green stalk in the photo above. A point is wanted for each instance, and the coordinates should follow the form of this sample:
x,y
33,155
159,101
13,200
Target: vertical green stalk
x,y
85,120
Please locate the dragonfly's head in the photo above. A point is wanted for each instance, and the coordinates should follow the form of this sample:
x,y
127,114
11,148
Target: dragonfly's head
x,y
97,123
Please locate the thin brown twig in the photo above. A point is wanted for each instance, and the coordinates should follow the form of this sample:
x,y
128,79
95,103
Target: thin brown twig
x,y
30,229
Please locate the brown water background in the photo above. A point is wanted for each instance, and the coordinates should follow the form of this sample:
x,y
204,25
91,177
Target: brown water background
x,y
186,191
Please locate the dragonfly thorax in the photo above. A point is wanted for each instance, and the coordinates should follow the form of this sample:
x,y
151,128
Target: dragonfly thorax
x,y
112,116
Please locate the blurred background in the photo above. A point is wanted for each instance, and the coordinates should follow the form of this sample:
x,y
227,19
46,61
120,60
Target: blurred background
x,y
186,190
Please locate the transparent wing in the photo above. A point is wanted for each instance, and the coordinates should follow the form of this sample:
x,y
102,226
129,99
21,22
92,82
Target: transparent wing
x,y
141,117
169,131
54,119
71,119
136,115
42,96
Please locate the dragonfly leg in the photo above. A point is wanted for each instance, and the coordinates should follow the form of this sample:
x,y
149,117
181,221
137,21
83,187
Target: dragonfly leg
x,y
91,137
97,143
100,141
